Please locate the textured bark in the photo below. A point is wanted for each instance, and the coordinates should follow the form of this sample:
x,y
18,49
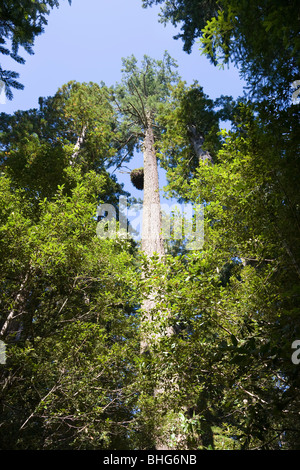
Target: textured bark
x,y
152,243
152,240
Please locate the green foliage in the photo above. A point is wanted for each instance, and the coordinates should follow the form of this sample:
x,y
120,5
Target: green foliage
x,y
191,16
235,301
142,92
74,327
137,178
218,373
261,38
74,376
20,23
38,145
187,108
68,299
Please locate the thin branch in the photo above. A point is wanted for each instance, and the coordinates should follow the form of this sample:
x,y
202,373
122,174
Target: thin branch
x,y
144,81
136,114
142,103
32,414
17,300
252,395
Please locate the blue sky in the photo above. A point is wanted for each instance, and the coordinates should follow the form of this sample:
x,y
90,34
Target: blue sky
x,y
86,42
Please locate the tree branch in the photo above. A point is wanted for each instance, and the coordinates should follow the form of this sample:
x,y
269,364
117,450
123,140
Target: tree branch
x,y
11,316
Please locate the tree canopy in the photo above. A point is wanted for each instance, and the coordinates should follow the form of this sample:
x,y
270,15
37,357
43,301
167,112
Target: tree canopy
x,y
20,23
220,366
260,37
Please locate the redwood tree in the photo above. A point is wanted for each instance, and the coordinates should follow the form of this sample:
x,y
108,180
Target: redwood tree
x,y
139,98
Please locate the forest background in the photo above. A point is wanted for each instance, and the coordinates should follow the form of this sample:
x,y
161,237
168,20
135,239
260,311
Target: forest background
x,y
73,304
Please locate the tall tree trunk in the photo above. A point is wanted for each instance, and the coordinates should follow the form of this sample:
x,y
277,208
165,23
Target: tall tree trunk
x,y
152,240
152,243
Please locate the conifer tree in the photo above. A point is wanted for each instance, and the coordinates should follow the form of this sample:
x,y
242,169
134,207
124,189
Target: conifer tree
x,y
139,97
252,201
67,311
